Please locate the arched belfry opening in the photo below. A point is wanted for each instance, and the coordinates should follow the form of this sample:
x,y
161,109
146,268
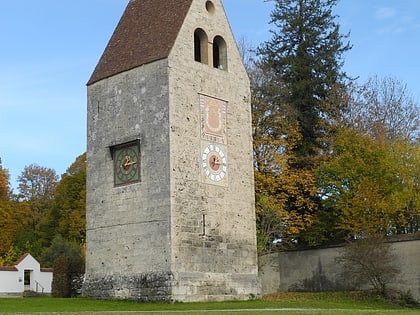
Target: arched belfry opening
x,y
200,46
220,53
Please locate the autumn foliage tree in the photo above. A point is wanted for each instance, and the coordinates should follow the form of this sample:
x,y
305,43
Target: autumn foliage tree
x,y
275,181
43,209
7,222
333,159
68,214
4,183
370,185
13,216
371,182
37,187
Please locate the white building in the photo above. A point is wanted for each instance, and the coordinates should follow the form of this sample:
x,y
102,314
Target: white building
x,y
25,275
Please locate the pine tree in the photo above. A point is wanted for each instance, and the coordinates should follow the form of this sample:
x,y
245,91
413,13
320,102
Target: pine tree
x,y
301,102
305,54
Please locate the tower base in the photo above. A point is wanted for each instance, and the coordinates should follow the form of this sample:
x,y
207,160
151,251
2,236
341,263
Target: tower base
x,y
168,287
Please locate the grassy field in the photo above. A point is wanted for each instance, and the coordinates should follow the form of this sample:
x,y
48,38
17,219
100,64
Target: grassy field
x,y
286,303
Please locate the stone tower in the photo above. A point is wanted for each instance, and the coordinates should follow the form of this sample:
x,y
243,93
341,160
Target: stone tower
x,y
170,192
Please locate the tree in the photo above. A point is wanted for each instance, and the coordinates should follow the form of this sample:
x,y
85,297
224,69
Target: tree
x,y
5,212
4,183
275,181
10,257
8,226
37,182
384,109
369,261
43,209
26,240
297,86
13,216
67,215
59,247
67,259
68,270
371,183
371,186
305,55
37,187
70,202
407,156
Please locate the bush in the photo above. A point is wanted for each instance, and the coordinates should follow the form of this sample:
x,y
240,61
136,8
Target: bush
x,y
66,270
369,261
406,299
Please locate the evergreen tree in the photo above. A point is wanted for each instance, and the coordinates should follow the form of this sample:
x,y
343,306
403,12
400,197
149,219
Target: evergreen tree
x,y
294,113
305,54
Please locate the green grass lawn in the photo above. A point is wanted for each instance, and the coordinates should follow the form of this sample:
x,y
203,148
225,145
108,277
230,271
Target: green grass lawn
x,y
287,303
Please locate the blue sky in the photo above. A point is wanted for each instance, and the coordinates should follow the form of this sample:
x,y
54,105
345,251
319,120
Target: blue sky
x,y
49,48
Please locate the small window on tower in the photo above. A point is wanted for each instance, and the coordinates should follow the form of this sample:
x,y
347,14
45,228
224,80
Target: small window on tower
x,y
220,53
200,46
210,7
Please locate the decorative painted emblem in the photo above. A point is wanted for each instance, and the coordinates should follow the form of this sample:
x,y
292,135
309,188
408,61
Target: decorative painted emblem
x,y
213,119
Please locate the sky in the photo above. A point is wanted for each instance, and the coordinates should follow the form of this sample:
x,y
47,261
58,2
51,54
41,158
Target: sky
x,y
49,48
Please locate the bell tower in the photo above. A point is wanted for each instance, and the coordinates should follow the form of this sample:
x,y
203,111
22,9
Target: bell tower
x,y
170,186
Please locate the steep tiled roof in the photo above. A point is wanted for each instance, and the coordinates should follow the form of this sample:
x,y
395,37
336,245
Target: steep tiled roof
x,y
145,33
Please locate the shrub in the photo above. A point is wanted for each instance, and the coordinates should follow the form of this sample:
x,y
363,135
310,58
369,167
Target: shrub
x,y
369,261
66,270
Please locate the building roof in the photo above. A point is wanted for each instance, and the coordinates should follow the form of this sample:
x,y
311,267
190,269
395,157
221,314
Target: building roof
x,y
8,268
145,33
14,268
22,258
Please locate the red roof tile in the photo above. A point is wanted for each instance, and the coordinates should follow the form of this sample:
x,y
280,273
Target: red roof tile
x,y
146,32
8,268
21,259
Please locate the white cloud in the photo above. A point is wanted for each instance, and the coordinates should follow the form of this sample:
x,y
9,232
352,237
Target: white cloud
x,y
392,21
385,13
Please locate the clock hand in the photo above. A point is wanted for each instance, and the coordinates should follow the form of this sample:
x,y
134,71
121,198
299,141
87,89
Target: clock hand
x,y
128,163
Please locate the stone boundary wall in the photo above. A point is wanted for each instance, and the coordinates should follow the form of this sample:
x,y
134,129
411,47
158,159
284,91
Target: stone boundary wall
x,y
317,270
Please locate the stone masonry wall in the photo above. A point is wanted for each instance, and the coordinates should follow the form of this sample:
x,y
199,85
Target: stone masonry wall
x,y
172,236
128,227
149,287
316,270
213,227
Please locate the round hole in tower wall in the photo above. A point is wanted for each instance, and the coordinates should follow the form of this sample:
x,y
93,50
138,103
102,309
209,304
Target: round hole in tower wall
x,y
210,7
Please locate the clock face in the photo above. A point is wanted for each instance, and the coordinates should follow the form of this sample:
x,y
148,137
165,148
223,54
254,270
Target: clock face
x,y
214,164
126,165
